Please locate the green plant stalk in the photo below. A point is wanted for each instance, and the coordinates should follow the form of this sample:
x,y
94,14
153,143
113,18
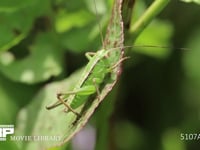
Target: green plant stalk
x,y
155,8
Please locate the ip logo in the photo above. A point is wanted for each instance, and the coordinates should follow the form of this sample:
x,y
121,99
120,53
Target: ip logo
x,y
5,130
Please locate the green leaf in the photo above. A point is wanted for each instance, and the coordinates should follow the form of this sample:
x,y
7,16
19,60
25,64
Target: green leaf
x,y
194,1
43,62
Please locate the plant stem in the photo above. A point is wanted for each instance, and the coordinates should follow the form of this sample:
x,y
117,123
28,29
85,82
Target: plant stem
x,y
155,8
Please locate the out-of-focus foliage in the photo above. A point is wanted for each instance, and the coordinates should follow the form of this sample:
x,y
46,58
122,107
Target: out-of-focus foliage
x,y
161,36
191,58
157,99
195,1
17,19
42,62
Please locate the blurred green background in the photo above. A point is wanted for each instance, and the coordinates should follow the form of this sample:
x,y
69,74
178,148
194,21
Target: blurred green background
x,y
158,95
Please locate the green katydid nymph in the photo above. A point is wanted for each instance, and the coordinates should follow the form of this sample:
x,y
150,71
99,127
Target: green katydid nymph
x,y
92,77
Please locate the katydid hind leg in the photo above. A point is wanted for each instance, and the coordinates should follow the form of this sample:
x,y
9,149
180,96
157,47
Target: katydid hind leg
x,y
86,90
58,102
66,105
